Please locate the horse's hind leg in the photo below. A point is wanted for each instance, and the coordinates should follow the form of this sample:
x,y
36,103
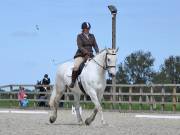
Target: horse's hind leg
x,y
54,101
77,107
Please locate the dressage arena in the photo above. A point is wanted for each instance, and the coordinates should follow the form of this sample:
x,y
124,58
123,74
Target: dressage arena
x,y
30,122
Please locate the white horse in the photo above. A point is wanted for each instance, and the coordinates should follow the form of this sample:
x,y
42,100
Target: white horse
x,y
93,80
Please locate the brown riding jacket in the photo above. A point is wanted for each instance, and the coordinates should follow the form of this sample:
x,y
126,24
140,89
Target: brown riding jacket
x,y
85,45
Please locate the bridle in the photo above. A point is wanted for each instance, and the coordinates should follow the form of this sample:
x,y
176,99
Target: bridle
x,y
106,67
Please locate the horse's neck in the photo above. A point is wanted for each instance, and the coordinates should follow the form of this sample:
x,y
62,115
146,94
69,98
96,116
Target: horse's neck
x,y
100,58
98,63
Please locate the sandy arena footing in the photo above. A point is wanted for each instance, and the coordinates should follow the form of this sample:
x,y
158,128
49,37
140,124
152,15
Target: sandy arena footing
x,y
29,122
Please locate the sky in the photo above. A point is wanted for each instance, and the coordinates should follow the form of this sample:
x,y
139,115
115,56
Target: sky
x,y
37,35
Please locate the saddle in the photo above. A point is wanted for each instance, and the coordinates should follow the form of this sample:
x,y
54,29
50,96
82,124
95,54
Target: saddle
x,y
82,65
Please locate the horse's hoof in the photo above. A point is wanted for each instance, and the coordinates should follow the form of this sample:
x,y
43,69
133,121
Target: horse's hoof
x,y
52,119
81,123
87,122
105,124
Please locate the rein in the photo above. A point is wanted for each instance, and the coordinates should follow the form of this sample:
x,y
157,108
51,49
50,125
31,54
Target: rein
x,y
106,66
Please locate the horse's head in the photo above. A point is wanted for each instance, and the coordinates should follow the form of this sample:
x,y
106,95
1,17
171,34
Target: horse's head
x,y
111,61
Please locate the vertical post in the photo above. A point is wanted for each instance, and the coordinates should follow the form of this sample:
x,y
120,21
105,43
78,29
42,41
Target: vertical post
x,y
67,98
151,99
11,89
120,98
114,31
140,98
112,97
85,105
162,99
174,99
113,11
130,98
35,98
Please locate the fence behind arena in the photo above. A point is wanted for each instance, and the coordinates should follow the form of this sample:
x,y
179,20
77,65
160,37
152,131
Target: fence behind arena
x,y
164,97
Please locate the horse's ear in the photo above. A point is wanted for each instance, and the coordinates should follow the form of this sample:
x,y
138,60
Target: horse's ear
x,y
117,49
106,49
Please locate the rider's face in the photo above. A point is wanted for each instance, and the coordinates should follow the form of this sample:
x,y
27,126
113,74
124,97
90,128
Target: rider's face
x,y
86,31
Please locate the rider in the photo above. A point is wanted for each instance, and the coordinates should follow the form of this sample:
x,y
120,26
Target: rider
x,y
85,42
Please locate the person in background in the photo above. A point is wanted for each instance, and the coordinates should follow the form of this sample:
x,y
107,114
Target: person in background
x,y
25,101
41,96
21,95
46,80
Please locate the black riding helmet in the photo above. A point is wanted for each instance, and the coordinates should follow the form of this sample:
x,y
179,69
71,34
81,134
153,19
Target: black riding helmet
x,y
46,75
86,25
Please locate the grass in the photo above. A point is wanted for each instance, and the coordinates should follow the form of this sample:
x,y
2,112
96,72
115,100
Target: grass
x,y
124,106
117,106
13,104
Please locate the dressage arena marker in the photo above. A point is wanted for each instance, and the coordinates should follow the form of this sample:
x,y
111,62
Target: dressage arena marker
x,y
73,110
23,112
158,116
4,111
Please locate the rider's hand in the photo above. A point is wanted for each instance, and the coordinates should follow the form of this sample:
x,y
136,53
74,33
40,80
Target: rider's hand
x,y
87,56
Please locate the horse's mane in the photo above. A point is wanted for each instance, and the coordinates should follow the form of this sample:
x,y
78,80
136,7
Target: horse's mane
x,y
101,51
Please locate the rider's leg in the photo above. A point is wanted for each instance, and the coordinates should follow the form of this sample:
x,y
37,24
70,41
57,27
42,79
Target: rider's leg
x,y
77,63
73,78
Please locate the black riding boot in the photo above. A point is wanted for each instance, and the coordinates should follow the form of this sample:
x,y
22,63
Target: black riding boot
x,y
74,76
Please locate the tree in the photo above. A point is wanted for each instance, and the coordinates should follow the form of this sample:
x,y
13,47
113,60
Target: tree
x,y
170,71
137,68
160,78
121,77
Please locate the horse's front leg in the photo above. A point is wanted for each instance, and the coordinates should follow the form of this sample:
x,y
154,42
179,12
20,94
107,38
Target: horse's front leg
x,y
100,96
95,100
77,107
